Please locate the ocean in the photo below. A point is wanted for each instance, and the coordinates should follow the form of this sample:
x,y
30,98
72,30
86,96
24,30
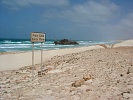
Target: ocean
x,y
15,45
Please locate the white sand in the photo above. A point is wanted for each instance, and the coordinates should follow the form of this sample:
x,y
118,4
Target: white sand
x,y
18,60
124,43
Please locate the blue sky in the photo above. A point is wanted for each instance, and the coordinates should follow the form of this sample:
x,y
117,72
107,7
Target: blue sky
x,y
75,19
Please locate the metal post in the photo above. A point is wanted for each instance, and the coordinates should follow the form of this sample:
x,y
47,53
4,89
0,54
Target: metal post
x,y
41,57
33,59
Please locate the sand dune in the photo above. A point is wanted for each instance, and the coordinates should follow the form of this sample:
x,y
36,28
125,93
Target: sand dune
x,y
124,43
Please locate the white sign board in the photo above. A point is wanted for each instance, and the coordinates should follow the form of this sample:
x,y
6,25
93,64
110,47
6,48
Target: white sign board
x,y
37,37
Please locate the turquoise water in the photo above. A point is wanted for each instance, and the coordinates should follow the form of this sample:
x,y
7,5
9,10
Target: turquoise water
x,y
14,45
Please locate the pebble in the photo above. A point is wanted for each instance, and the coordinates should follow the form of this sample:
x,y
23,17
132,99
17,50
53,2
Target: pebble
x,y
87,77
77,83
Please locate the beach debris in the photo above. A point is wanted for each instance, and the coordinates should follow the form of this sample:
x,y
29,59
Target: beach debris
x,y
103,45
112,46
87,77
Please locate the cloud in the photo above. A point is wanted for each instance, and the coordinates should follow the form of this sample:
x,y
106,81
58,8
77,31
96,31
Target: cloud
x,y
127,22
125,26
16,4
123,29
90,11
91,17
101,18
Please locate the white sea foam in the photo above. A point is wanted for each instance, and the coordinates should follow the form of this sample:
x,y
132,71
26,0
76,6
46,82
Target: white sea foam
x,y
20,45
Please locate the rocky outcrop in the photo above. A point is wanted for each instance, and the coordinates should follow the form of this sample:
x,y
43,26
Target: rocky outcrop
x,y
66,42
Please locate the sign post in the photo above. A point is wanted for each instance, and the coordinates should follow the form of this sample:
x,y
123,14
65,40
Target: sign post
x,y
37,37
32,59
41,57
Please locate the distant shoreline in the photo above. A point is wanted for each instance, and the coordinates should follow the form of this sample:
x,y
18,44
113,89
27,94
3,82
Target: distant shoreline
x,y
26,45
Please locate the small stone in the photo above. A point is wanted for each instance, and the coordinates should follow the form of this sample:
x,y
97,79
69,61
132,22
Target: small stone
x,y
26,77
8,82
118,81
128,72
99,60
49,69
5,91
82,81
17,81
87,77
43,72
17,72
87,90
77,83
121,75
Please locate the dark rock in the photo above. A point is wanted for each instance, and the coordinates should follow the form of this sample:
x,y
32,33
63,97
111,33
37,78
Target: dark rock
x,y
17,72
121,75
43,72
66,42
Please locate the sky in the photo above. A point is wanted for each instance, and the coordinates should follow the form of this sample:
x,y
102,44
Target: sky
x,y
72,19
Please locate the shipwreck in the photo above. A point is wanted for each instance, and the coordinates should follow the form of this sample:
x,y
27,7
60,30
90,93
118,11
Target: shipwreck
x,y
66,42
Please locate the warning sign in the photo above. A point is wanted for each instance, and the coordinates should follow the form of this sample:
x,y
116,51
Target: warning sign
x,y
37,37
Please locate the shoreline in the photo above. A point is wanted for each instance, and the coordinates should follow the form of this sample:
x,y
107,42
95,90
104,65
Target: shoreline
x,y
17,60
18,52
20,59
5,49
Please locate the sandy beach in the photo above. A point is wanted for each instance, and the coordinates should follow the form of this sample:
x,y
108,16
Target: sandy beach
x,y
21,59
89,73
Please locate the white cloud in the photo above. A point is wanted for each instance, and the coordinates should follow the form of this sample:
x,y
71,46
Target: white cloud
x,y
92,16
90,11
16,4
100,17
123,29
128,21
125,26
